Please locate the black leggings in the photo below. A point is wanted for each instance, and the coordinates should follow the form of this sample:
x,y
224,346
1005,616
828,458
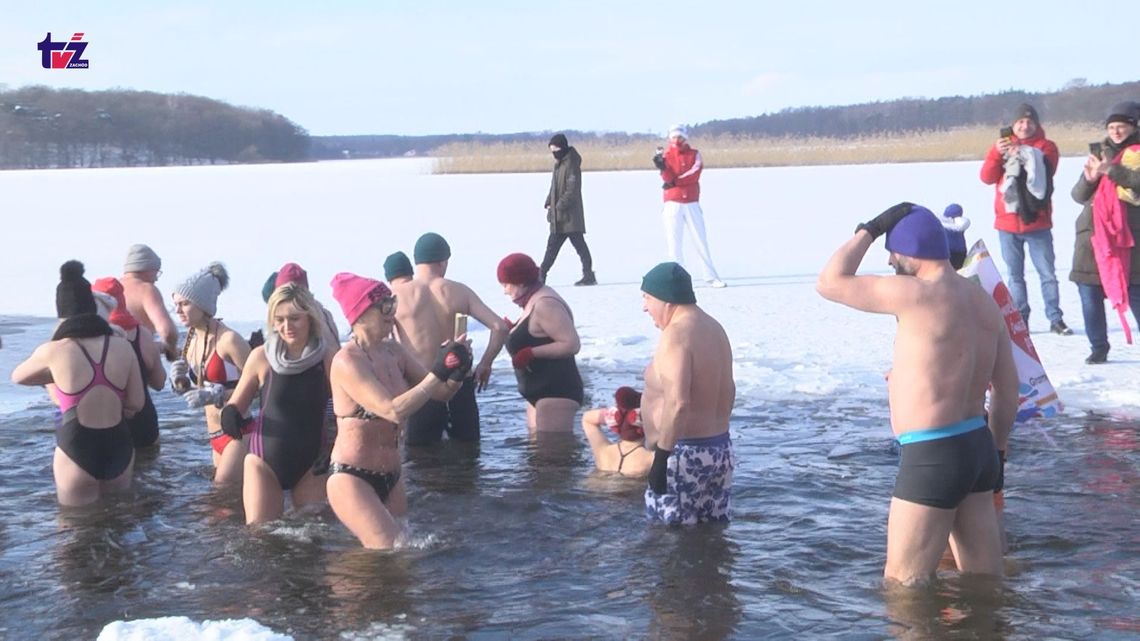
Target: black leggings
x,y
554,245
459,417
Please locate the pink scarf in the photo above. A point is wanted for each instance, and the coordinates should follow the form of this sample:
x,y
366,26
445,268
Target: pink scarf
x,y
1112,244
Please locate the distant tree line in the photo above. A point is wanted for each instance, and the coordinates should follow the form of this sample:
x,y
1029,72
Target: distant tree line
x,y
330,147
42,127
1077,102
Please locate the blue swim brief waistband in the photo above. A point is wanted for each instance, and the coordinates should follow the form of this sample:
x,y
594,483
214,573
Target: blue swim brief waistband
x,y
708,441
954,429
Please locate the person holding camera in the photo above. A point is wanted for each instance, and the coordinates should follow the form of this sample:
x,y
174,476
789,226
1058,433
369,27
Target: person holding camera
x,y
680,166
1109,189
1020,166
564,210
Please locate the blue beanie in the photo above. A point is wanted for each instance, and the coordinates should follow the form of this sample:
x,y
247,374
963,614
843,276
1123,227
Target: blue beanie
x,y
669,282
397,265
919,235
431,248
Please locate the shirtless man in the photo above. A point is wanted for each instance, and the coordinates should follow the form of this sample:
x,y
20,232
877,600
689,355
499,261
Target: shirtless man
x,y
425,319
689,392
144,301
951,346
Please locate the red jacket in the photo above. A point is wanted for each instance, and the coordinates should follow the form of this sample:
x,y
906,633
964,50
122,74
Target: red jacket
x,y
682,168
993,171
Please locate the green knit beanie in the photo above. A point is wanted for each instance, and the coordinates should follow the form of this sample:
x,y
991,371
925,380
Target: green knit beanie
x,y
669,282
269,287
397,265
431,248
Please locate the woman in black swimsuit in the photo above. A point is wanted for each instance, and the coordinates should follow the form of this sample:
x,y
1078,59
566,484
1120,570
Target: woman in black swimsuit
x,y
144,425
542,345
97,384
291,372
376,386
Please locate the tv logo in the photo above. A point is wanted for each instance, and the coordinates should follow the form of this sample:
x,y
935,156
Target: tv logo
x,y
63,55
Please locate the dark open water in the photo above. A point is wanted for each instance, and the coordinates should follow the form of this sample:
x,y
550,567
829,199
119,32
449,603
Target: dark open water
x,y
522,540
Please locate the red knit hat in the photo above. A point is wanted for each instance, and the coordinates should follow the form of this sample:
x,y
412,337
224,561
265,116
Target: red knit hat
x,y
518,269
291,273
119,316
357,293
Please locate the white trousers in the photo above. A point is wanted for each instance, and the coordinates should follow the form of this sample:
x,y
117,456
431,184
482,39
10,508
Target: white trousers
x,y
677,216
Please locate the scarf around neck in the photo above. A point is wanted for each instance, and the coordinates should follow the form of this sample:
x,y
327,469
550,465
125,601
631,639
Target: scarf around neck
x,y
279,361
82,326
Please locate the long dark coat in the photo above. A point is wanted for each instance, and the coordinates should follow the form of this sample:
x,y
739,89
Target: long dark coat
x,y
565,213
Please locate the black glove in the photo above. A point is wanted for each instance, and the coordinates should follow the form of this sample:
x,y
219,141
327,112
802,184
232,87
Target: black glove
x,y
233,422
668,185
467,361
450,358
256,339
659,162
657,472
886,221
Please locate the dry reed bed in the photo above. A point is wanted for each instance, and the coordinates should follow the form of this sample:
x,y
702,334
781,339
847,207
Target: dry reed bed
x,y
966,143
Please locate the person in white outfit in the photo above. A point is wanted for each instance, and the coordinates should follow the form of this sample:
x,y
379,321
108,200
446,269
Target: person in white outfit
x,y
680,166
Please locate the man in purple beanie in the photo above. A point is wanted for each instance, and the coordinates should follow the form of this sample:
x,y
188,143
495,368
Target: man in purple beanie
x,y
951,346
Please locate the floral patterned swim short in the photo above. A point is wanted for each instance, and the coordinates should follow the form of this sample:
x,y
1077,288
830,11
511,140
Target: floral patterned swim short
x,y
698,483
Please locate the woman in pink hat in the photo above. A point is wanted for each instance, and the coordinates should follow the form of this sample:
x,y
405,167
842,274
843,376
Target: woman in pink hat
x,y
542,345
376,386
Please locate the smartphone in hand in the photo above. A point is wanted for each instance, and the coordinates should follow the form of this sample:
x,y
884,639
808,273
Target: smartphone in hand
x,y
1006,132
460,325
1096,149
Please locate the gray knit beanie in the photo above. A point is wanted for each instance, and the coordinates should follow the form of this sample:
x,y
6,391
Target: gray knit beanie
x,y
141,258
203,288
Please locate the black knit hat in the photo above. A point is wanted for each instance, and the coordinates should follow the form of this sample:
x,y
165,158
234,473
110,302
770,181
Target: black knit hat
x,y
1127,112
559,140
1025,110
73,294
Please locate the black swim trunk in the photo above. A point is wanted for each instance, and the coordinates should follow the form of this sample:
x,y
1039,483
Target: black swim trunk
x,y
941,467
459,417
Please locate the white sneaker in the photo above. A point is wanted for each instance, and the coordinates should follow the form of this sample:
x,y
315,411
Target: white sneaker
x,y
717,283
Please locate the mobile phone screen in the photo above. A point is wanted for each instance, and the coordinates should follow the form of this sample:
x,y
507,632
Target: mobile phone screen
x,y
460,325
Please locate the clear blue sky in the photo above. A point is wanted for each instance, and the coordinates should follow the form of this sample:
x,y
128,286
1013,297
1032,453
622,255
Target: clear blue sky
x,y
424,67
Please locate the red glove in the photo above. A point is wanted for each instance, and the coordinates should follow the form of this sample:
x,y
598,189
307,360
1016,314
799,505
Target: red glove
x,y
613,417
633,417
523,357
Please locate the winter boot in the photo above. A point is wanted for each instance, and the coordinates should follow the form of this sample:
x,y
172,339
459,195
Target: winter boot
x,y
587,279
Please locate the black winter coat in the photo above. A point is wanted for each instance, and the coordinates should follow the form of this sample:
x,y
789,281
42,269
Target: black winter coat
x,y
564,202
1084,261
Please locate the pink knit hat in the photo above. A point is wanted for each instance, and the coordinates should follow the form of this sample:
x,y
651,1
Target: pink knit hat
x,y
357,293
291,273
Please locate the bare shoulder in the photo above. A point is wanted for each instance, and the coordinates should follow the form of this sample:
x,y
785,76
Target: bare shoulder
x,y
229,338
257,357
457,295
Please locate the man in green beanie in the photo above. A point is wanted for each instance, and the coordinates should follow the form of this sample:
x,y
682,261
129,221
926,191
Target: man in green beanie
x,y
689,393
425,318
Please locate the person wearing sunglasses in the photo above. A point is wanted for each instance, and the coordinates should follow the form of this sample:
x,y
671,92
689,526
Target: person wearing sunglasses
x,y
377,385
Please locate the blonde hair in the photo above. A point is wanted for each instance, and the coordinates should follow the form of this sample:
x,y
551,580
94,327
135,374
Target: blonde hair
x,y
303,300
